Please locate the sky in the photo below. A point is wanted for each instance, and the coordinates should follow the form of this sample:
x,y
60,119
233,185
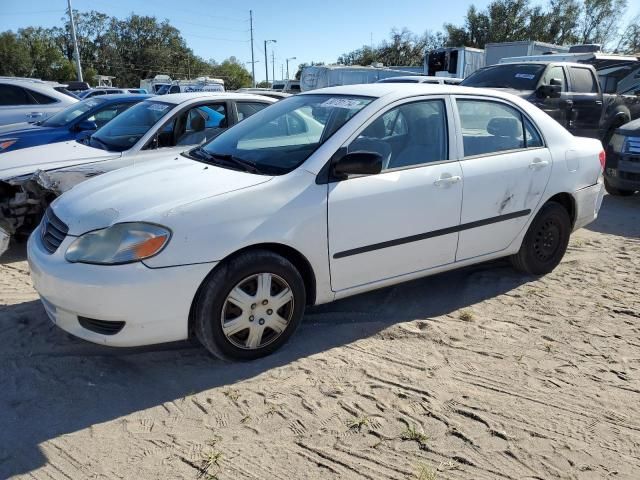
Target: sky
x,y
308,31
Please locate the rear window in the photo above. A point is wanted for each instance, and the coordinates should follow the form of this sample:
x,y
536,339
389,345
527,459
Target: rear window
x,y
583,80
516,76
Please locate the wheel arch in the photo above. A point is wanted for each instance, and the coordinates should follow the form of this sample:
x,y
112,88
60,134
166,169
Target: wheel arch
x,y
294,256
568,202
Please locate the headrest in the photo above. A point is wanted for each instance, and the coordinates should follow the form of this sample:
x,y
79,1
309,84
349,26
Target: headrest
x,y
504,127
197,123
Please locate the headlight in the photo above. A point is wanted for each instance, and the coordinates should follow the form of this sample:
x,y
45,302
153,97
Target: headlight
x,y
120,243
6,143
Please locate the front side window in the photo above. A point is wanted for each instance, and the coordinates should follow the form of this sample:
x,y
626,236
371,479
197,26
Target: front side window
x,y
106,114
278,139
246,109
198,125
410,134
555,73
13,95
583,80
490,127
126,129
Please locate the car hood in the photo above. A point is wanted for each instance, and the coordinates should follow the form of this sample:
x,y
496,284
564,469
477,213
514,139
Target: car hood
x,y
147,192
631,128
22,128
50,157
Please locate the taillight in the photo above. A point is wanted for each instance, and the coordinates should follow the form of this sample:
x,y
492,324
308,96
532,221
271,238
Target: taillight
x,y
603,158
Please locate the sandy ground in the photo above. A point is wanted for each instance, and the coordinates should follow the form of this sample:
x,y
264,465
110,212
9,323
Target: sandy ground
x,y
476,374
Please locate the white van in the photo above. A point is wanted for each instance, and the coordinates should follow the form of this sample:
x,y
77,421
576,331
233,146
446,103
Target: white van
x,y
200,84
286,86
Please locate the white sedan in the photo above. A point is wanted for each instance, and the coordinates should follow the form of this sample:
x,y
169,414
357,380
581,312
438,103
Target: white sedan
x,y
318,197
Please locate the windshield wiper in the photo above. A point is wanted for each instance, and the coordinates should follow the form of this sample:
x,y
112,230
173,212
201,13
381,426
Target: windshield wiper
x,y
244,165
96,139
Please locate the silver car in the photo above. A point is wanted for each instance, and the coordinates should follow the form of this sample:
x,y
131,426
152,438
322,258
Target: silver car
x,y
31,100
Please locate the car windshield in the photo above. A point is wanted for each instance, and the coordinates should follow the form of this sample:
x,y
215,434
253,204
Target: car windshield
x,y
522,76
126,129
69,114
281,137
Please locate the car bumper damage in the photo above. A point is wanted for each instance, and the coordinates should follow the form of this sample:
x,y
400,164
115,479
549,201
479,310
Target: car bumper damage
x,y
24,199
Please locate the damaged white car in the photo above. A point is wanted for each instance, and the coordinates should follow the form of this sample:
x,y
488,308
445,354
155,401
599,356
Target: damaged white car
x,y
32,177
323,195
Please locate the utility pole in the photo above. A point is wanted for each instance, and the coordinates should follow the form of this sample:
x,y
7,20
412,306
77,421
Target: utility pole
x,y
292,58
253,63
281,71
273,65
266,60
76,52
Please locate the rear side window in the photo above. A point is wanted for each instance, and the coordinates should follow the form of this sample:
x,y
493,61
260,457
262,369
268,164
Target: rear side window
x,y
583,80
491,127
41,99
13,95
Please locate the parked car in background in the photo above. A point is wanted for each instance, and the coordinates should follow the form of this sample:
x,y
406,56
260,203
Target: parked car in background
x,y
31,177
31,100
568,92
94,92
286,86
229,242
421,79
140,91
74,122
622,172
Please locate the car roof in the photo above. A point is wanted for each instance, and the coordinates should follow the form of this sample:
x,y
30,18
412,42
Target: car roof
x,y
400,89
115,97
178,98
32,81
541,62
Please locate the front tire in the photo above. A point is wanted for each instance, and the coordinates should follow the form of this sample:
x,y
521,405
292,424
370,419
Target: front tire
x,y
616,192
545,242
249,306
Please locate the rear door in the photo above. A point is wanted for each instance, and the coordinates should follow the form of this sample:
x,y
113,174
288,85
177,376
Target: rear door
x,y
506,167
16,105
586,102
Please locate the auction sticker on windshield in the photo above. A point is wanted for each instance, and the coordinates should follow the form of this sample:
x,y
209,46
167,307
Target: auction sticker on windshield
x,y
344,103
528,76
158,107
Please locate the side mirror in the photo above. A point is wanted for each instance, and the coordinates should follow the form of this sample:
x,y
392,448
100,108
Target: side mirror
x,y
86,125
555,81
549,91
357,163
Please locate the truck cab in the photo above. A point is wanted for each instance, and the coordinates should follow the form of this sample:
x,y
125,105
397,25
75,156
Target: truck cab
x,y
569,92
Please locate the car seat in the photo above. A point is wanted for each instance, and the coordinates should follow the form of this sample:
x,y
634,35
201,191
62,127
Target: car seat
x,y
197,134
426,143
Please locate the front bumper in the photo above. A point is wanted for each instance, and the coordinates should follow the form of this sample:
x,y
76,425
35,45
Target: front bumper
x,y
623,171
153,303
588,203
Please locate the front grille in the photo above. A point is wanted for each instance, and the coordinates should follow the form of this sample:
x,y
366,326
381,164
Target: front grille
x,y
53,231
635,177
632,145
103,327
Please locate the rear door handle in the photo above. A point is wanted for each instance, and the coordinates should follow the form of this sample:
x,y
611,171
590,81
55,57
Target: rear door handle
x,y
447,179
538,163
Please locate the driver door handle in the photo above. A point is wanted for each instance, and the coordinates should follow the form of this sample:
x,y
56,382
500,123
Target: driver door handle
x,y
538,163
447,179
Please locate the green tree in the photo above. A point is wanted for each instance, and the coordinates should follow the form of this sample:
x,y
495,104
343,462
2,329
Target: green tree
x,y
15,59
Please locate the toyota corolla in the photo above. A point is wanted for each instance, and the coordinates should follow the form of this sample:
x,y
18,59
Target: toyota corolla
x,y
318,197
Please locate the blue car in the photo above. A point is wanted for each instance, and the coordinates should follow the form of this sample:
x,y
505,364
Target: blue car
x,y
73,123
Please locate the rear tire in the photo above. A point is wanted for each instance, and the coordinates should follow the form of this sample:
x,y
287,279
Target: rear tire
x,y
545,242
249,306
616,192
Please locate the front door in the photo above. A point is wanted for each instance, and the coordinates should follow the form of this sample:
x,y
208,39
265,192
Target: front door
x,y
506,168
557,108
399,221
